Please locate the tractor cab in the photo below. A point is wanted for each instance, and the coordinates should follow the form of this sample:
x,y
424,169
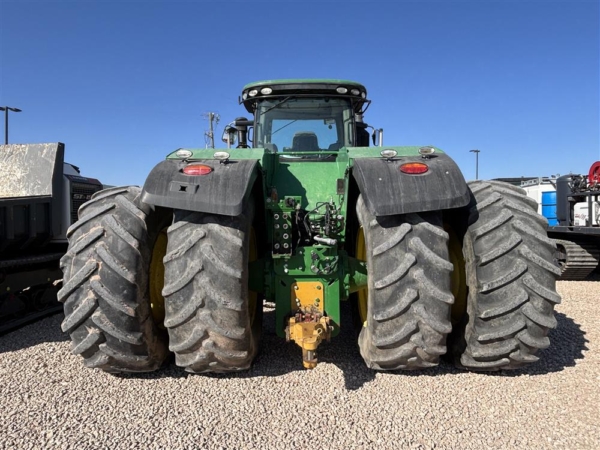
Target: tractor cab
x,y
306,117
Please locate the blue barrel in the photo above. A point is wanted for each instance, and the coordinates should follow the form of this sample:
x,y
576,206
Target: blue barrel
x,y
549,207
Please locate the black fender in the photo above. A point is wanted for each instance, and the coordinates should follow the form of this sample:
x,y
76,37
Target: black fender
x,y
387,191
223,191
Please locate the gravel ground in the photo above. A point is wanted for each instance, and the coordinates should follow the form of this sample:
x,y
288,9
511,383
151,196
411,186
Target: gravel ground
x,y
49,400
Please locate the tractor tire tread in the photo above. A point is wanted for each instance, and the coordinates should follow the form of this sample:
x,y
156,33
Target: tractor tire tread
x,y
206,291
512,287
409,292
107,313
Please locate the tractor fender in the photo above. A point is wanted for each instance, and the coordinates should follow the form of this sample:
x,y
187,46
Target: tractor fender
x,y
388,191
222,191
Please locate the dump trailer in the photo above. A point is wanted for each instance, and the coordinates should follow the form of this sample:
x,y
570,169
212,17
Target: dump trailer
x,y
39,198
301,211
571,203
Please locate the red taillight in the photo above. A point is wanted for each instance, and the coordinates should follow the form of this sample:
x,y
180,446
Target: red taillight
x,y
414,168
197,169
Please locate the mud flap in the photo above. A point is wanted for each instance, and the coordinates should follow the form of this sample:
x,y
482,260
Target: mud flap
x,y
387,191
223,191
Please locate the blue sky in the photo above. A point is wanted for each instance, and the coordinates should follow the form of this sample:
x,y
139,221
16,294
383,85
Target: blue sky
x,y
124,83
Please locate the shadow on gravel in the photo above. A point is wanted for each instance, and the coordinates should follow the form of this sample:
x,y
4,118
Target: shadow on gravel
x,y
567,344
278,357
44,330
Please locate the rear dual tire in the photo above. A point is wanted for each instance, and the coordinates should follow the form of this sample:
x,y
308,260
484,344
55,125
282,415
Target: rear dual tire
x,y
407,315
213,320
105,284
511,276
510,272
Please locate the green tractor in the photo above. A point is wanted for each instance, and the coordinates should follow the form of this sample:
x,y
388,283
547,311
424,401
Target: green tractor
x,y
303,213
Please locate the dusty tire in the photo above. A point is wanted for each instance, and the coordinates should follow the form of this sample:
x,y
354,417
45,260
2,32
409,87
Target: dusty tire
x,y
511,277
207,301
409,294
105,284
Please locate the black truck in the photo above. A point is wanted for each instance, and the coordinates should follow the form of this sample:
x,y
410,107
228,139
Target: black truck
x,y
39,198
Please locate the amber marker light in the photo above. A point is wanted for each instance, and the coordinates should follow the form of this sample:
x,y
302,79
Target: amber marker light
x,y
197,169
414,168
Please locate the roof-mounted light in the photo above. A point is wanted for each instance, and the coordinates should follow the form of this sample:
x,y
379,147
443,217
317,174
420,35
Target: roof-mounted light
x,y
355,92
342,90
253,92
426,151
221,156
266,90
183,154
363,94
244,96
388,153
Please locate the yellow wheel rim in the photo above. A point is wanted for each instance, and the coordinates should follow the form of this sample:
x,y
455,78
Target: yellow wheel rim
x,y
363,294
157,278
252,296
458,280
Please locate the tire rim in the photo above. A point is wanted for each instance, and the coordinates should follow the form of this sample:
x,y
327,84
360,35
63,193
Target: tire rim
x,y
252,296
363,294
458,278
157,278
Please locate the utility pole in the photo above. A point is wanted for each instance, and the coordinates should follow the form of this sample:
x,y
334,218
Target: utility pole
x,y
6,109
210,136
476,163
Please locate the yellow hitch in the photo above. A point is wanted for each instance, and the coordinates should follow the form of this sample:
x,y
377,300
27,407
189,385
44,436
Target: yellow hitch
x,y
308,327
309,335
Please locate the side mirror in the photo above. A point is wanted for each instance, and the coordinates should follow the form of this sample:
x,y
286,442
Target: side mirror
x,y
377,137
229,135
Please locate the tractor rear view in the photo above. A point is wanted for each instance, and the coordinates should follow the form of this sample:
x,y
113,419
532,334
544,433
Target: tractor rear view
x,y
303,213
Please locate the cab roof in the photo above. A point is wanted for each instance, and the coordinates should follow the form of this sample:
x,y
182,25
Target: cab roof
x,y
303,87
306,81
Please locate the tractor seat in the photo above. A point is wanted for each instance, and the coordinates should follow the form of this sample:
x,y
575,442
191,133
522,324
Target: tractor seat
x,y
305,141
